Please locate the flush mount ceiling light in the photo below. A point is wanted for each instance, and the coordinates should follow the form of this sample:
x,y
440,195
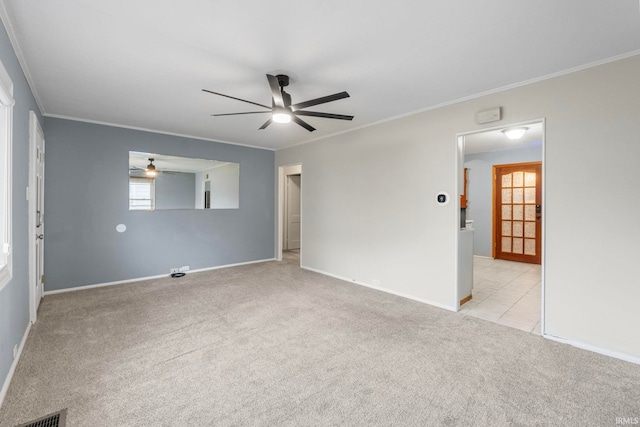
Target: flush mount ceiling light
x,y
151,169
515,133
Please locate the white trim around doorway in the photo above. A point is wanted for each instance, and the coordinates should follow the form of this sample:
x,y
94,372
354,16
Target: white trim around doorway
x,y
283,172
458,170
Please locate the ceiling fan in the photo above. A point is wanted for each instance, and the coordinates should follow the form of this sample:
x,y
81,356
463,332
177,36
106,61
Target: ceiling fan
x,y
282,111
148,171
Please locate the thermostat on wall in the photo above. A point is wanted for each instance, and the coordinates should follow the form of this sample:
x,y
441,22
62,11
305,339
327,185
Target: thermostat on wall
x,y
442,198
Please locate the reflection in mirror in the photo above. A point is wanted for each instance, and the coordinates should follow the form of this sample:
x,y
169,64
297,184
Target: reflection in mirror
x,y
158,181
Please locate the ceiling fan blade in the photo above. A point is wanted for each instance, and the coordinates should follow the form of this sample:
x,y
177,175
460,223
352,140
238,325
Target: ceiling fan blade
x,y
302,123
267,123
237,114
237,99
275,91
324,115
318,101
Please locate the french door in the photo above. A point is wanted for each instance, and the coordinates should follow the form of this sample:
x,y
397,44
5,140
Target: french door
x,y
517,212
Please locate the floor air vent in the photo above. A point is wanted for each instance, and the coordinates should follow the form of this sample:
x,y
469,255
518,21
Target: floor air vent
x,y
52,420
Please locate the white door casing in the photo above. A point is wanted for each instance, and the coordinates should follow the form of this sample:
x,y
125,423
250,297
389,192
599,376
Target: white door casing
x,y
283,172
460,140
36,214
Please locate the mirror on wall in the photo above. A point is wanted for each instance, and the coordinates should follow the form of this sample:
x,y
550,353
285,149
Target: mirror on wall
x,y
159,181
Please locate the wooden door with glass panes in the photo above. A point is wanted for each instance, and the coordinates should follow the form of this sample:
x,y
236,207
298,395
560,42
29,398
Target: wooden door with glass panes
x,y
517,212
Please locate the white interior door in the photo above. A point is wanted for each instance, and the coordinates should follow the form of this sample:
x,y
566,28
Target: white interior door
x,y
36,215
293,212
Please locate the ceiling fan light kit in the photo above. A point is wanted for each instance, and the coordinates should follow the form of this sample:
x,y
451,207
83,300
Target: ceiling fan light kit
x,y
281,115
151,169
282,111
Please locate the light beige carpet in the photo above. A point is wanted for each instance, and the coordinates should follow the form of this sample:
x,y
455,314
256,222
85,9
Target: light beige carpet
x,y
272,345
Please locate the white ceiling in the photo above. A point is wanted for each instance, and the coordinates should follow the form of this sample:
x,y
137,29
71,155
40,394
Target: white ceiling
x,y
144,63
496,140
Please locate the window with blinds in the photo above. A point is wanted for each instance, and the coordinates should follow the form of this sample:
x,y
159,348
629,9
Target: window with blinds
x,y
142,194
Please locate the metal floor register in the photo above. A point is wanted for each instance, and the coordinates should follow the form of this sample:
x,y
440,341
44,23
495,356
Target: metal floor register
x,y
57,419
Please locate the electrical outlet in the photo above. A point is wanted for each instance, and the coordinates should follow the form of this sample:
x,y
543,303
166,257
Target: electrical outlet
x,y
184,268
15,351
174,270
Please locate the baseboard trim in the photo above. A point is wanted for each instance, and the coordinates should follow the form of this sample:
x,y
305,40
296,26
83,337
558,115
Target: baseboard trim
x,y
238,264
7,380
378,288
141,279
594,349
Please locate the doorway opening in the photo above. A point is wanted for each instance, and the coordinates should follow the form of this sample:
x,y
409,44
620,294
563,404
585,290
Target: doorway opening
x,y
289,213
501,236
291,237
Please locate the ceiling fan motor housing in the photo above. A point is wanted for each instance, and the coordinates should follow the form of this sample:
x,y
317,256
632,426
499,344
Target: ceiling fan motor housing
x,y
283,80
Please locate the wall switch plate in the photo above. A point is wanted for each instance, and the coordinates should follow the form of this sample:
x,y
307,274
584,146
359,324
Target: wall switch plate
x,y
15,351
184,268
174,270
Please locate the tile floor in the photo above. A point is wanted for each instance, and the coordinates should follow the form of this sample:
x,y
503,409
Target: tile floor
x,y
506,292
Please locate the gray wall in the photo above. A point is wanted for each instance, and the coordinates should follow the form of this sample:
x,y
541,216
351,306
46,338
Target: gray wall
x,y
86,197
175,190
369,212
14,298
479,188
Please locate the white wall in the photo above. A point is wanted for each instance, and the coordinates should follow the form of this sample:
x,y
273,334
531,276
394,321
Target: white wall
x,y
225,190
369,211
369,208
224,186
